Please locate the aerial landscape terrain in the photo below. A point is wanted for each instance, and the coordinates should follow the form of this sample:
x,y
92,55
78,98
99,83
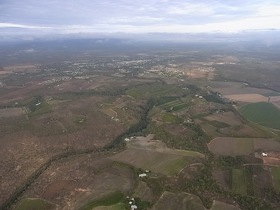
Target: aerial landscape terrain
x,y
150,125
140,105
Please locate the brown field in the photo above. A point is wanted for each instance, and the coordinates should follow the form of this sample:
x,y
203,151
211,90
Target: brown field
x,y
175,201
236,127
11,112
58,188
261,179
241,146
197,74
251,98
231,88
218,205
22,68
143,192
16,94
222,177
274,98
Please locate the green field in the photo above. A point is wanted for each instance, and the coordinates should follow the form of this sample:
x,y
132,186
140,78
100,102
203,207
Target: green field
x,y
34,204
170,118
112,201
238,181
176,105
119,206
263,113
275,172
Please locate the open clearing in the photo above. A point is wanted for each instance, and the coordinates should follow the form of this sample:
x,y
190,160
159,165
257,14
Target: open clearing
x,y
275,172
155,156
218,205
239,181
251,98
11,112
231,88
35,203
226,117
147,91
241,146
176,201
263,113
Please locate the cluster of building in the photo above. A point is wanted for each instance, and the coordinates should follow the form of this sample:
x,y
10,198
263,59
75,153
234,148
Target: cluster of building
x,y
132,204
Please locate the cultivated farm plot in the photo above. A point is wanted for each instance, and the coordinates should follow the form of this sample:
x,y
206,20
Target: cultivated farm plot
x,y
239,181
251,98
275,172
265,114
231,88
155,156
111,201
175,105
241,146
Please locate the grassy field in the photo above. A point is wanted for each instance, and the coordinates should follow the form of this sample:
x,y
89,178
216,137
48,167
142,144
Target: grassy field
x,y
34,204
43,108
170,118
262,113
109,200
239,181
160,162
231,146
119,206
275,172
156,157
176,105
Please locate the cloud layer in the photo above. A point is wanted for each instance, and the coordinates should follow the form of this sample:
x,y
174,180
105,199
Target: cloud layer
x,y
138,16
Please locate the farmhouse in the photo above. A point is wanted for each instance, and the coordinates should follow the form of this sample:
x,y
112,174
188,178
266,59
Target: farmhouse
x,y
133,207
142,175
264,154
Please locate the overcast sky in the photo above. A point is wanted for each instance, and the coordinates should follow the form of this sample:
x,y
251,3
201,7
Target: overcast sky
x,y
137,16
